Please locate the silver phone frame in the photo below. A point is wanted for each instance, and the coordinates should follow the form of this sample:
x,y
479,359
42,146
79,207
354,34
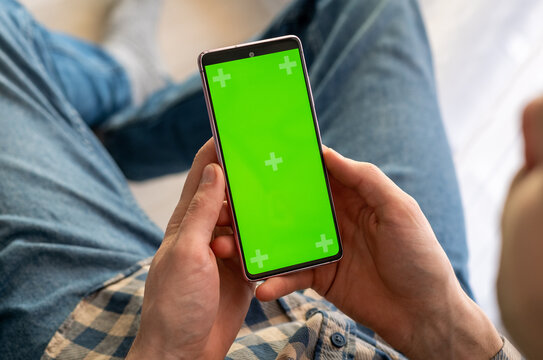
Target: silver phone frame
x,y
213,126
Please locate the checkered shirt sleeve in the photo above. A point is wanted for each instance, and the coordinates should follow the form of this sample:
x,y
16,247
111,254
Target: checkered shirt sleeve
x,y
508,352
298,326
104,324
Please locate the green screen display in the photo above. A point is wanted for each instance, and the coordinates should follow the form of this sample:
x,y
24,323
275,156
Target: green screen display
x,y
273,162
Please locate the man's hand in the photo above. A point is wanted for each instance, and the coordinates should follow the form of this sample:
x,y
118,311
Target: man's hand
x,y
194,303
520,280
394,276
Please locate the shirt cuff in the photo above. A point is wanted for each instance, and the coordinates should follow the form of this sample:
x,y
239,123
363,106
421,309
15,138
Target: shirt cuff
x,y
507,352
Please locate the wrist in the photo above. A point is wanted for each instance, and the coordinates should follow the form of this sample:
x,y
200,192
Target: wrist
x,y
461,331
142,349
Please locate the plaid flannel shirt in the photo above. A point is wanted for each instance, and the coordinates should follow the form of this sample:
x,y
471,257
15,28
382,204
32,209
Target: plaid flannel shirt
x,y
298,326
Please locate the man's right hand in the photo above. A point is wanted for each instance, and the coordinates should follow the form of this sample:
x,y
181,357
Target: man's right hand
x,y
394,276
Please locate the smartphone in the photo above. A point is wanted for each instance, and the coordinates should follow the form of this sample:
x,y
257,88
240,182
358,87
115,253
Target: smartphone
x,y
268,142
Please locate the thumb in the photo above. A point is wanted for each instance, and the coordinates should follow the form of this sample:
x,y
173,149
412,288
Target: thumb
x,y
366,179
203,211
532,128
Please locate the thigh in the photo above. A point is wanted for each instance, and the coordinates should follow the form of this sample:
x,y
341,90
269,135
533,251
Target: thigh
x,y
94,83
67,219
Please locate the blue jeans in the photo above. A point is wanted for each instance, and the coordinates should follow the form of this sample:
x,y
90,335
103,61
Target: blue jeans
x,y
68,221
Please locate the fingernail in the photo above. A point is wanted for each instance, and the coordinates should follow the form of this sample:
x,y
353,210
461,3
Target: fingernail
x,y
208,176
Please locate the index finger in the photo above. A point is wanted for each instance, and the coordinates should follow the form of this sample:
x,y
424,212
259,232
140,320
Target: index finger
x,y
205,155
366,179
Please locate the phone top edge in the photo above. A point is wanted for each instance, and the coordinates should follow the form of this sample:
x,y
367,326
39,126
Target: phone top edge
x,y
256,42
236,52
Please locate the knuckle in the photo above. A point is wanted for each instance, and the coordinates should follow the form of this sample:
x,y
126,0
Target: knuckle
x,y
411,203
370,172
205,153
197,202
405,206
197,158
200,205
200,153
188,248
410,206
370,169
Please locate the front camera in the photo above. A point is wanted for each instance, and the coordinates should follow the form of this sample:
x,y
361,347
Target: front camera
x,y
251,54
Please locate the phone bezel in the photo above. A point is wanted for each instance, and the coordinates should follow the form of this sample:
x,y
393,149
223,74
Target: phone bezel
x,y
242,51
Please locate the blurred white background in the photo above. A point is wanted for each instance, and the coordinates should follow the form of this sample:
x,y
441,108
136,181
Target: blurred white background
x,y
488,58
